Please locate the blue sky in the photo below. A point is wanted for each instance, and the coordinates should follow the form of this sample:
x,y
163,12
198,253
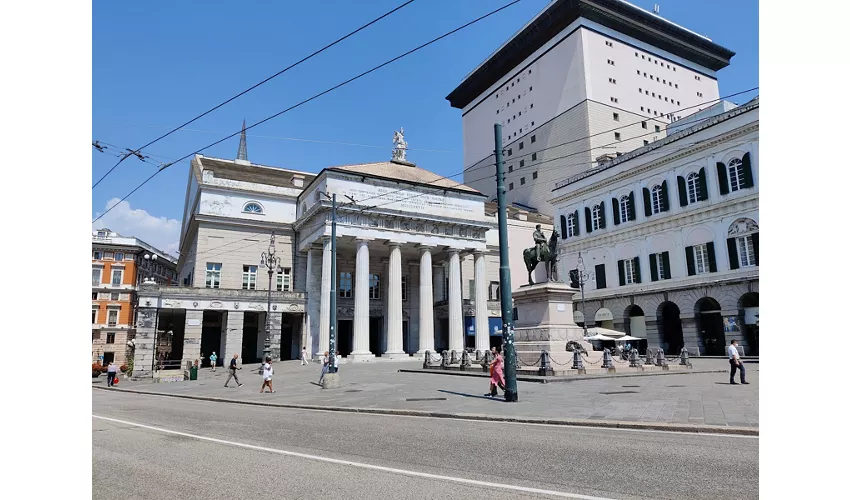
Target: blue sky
x,y
156,64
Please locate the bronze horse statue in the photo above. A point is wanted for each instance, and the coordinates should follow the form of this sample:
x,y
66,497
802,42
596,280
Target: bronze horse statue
x,y
549,257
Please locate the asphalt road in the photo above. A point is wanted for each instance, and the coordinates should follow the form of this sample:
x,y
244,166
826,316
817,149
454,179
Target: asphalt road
x,y
158,447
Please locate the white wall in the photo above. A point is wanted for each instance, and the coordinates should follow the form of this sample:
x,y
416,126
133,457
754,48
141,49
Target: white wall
x,y
231,204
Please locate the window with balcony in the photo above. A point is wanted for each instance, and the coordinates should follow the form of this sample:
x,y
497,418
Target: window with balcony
x,y
95,276
112,317
117,276
249,277
213,277
345,288
284,280
374,286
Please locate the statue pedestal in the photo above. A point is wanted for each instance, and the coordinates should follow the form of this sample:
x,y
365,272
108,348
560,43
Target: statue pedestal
x,y
545,322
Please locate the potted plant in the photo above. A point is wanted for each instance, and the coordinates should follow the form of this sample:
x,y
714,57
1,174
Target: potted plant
x,y
96,370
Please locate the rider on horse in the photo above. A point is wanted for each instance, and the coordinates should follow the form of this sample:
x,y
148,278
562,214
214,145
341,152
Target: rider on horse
x,y
539,242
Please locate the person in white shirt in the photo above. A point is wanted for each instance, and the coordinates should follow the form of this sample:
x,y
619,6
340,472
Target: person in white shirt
x,y
337,361
303,356
268,371
111,372
736,363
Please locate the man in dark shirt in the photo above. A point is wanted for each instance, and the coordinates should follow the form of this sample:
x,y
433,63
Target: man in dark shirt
x,y
232,370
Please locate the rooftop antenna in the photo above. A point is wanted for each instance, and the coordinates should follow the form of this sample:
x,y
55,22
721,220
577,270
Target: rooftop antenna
x,y
655,9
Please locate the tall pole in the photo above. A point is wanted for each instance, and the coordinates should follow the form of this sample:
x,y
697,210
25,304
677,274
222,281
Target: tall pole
x,y
272,263
332,339
505,276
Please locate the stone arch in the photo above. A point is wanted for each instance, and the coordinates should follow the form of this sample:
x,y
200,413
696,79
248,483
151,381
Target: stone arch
x,y
670,327
710,326
698,236
635,325
748,322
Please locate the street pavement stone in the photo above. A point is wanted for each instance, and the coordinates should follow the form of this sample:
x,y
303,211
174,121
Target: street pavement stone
x,y
690,398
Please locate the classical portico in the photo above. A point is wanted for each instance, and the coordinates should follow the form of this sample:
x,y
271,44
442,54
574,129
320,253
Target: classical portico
x,y
403,224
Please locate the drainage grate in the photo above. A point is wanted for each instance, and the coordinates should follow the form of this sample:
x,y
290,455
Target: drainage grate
x,y
425,399
618,392
354,390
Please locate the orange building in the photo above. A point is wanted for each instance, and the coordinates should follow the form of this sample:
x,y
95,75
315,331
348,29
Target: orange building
x,y
119,265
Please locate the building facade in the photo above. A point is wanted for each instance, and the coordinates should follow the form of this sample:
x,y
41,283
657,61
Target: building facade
x,y
118,268
668,236
417,264
582,80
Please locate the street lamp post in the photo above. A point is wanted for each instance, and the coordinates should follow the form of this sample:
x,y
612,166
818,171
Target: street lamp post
x,y
272,263
150,261
583,277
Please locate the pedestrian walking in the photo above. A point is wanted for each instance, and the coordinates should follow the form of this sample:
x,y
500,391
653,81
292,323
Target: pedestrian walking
x,y
325,361
111,372
303,356
213,360
200,361
268,371
497,374
160,360
735,363
337,362
232,374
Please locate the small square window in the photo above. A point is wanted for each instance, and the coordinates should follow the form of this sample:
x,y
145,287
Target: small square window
x,y
522,181
534,175
497,111
510,168
532,124
636,54
531,106
511,186
616,117
638,72
676,85
617,136
521,163
530,89
674,68
533,156
658,128
668,66
533,139
678,103
521,145
643,124
645,142
651,77
641,108
510,152
643,57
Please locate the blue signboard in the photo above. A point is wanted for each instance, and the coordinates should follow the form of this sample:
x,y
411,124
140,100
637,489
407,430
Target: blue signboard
x,y
495,325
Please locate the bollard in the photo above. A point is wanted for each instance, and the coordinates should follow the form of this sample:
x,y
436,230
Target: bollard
x,y
634,360
444,361
427,360
659,357
577,364
454,357
488,360
544,363
683,359
648,357
464,362
607,360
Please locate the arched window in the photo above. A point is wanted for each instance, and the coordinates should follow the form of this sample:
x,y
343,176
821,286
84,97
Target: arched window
x,y
572,224
624,208
736,174
694,194
596,216
655,194
252,208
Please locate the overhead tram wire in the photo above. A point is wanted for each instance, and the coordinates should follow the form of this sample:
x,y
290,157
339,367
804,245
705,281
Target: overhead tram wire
x,y
284,70
316,96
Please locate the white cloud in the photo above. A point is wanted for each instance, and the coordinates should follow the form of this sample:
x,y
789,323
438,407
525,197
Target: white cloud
x,y
161,232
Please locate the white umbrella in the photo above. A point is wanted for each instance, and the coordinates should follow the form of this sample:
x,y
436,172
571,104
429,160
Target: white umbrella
x,y
614,334
599,337
629,337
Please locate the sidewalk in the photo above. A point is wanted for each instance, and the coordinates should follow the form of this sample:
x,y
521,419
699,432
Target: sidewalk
x,y
689,399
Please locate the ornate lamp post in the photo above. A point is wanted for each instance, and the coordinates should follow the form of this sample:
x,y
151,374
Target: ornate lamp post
x,y
150,262
272,263
583,277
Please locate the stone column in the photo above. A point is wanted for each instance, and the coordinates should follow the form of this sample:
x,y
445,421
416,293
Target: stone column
x,y
361,303
426,301
235,326
395,342
192,336
306,332
324,299
482,323
143,354
455,303
275,322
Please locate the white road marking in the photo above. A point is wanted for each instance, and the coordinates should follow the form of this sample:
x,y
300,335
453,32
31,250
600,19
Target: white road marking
x,y
474,420
361,465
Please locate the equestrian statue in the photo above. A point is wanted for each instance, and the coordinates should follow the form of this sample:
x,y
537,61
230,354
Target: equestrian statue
x,y
542,251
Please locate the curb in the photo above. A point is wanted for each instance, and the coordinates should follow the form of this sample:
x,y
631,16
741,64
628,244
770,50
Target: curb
x,y
566,422
555,379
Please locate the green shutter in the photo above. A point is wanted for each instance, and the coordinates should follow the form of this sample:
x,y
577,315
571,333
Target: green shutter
x,y
601,215
636,263
748,172
575,220
647,202
703,185
621,268
665,201
616,206
665,259
712,261
653,267
722,178
689,256
631,211
563,227
756,246
683,192
600,277
732,247
588,223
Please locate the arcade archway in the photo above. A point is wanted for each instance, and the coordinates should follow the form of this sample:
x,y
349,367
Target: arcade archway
x,y
670,328
709,322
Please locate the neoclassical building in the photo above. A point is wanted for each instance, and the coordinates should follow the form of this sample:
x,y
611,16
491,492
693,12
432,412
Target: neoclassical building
x,y
417,263
668,235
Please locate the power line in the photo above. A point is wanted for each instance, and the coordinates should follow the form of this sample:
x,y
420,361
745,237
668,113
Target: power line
x,y
317,52
331,89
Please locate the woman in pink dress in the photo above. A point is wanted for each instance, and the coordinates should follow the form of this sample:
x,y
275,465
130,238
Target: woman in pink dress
x,y
497,374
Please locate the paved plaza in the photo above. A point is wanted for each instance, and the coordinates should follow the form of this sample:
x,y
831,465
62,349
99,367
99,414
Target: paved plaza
x,y
701,398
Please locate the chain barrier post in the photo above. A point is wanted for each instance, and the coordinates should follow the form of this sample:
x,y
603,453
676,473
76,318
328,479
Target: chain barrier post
x,y
444,362
607,361
577,364
427,360
634,360
544,363
659,357
648,357
464,361
683,360
488,360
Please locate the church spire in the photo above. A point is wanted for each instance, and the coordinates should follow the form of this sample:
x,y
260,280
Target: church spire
x,y
242,154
